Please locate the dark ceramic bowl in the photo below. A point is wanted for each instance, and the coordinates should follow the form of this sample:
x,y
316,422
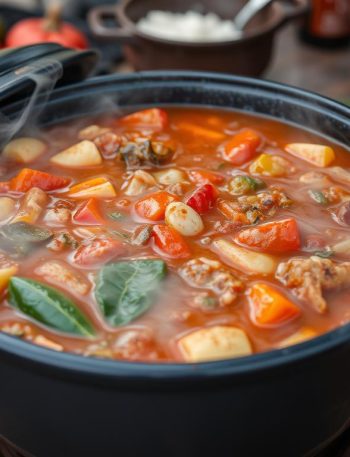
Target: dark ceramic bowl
x,y
248,55
285,403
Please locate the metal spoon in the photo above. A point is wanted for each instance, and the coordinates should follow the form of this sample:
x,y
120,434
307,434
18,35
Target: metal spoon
x,y
248,11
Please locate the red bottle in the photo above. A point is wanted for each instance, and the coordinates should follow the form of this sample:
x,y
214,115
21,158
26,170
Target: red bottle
x,y
328,23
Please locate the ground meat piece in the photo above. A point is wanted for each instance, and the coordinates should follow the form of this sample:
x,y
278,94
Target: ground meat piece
x,y
58,216
59,273
250,209
62,241
143,151
308,278
210,274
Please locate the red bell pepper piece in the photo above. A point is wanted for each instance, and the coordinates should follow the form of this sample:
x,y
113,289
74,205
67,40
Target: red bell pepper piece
x,y
88,213
170,242
276,236
203,198
242,147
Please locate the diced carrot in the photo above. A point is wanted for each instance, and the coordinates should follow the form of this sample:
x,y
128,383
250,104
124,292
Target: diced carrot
x,y
98,251
170,242
203,176
88,213
242,147
201,132
268,307
153,206
203,198
28,178
276,236
153,117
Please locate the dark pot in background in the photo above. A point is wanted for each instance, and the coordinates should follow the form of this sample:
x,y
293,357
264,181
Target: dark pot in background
x,y
249,55
286,403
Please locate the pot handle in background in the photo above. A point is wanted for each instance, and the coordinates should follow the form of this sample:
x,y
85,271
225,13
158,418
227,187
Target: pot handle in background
x,y
298,9
96,20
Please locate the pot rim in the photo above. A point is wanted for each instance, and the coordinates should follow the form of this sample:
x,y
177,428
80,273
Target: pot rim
x,y
278,18
17,350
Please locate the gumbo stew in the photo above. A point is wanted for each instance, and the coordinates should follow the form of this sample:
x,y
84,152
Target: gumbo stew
x,y
174,235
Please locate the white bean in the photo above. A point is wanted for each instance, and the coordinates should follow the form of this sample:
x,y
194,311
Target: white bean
x,y
183,219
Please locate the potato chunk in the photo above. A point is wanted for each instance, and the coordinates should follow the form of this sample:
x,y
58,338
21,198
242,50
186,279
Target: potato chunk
x,y
5,275
24,150
32,206
244,259
317,154
82,154
304,334
214,343
170,176
7,208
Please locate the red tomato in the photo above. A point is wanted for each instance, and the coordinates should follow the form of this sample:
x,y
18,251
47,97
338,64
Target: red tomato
x,y
27,178
242,147
153,206
34,30
203,176
153,117
98,251
277,236
203,198
170,242
88,213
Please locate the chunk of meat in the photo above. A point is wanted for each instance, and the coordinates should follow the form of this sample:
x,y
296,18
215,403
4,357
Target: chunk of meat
x,y
210,274
143,151
250,209
108,144
309,277
59,273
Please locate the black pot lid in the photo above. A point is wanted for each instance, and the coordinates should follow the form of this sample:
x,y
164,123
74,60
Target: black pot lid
x,y
25,68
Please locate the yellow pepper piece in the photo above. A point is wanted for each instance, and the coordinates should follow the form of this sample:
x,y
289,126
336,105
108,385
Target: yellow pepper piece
x,y
317,154
269,165
5,276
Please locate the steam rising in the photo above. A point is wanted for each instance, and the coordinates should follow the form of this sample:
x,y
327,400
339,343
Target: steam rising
x,y
44,73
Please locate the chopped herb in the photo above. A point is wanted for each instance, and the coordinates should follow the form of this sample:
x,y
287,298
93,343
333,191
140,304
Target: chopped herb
x,y
318,197
241,185
325,254
116,215
124,236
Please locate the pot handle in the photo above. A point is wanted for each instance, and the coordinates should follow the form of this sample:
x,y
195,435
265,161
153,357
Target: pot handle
x,y
294,11
96,19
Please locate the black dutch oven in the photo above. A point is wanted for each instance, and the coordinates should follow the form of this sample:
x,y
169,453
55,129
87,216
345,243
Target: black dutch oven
x,y
285,403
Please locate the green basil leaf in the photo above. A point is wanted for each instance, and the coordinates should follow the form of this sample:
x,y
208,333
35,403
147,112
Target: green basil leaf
x,y
125,290
318,197
48,306
116,216
325,254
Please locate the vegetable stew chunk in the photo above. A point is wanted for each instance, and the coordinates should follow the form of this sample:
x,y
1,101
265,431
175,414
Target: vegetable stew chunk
x,y
308,278
171,234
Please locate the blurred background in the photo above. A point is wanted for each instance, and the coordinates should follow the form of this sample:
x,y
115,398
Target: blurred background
x,y
300,42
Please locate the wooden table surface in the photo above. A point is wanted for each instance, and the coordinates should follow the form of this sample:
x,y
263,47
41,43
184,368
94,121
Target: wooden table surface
x,y
326,71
